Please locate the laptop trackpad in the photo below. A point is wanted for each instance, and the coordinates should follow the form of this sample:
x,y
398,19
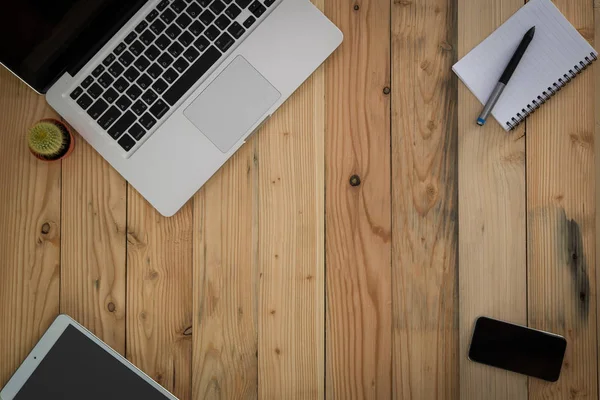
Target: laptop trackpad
x,y
232,103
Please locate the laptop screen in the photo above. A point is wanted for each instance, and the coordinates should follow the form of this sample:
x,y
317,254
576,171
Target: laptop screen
x,y
41,39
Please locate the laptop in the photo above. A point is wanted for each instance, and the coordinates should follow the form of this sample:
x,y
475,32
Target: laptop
x,y
165,90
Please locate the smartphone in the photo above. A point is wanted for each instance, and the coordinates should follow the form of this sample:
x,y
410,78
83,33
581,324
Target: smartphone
x,y
517,348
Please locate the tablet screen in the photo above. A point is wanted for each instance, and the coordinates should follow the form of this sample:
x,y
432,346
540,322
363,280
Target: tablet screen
x,y
77,368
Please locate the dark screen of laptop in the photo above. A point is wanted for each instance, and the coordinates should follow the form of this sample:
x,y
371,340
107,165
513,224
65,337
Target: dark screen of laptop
x,y
41,39
76,368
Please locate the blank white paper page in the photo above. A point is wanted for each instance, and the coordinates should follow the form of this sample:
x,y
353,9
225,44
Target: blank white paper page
x,y
556,49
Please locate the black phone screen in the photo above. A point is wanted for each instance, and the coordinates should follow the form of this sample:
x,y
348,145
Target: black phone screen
x,y
518,349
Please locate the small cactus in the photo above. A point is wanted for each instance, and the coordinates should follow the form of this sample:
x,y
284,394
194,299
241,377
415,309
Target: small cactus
x,y
47,140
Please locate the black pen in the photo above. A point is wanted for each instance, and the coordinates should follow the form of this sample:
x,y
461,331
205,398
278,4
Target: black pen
x,y
508,71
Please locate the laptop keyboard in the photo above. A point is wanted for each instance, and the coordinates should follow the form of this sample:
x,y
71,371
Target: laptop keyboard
x,y
159,61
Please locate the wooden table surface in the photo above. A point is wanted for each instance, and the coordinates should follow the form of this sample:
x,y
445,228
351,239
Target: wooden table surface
x,y
281,280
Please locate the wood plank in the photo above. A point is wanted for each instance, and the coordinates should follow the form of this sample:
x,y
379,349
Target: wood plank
x,y
597,180
93,271
159,293
491,204
561,225
225,364
424,200
30,235
291,308
358,219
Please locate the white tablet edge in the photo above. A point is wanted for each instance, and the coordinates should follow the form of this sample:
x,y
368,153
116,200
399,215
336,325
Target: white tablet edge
x,y
47,341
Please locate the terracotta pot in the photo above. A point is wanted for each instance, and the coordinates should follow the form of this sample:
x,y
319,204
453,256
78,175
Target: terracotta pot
x,y
64,128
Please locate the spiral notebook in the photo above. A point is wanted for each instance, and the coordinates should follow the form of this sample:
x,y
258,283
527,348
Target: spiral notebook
x,y
556,55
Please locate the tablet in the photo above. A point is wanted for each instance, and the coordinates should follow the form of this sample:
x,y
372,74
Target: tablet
x,y
69,362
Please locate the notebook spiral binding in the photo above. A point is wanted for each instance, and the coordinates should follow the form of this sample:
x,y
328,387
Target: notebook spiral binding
x,y
551,91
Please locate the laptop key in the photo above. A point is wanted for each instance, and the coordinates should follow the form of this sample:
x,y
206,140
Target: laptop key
x,y
168,16
173,31
158,27
159,109
163,42
85,101
194,10
131,74
151,15
204,3
147,121
116,69
175,49
165,60
224,42
178,6
183,21
249,21
95,90
233,11
144,81
109,59
202,43
109,117
76,93
162,5
217,7
191,54
141,63
160,86
130,38
139,107
196,28
126,58
123,103
149,97
154,71
212,32
121,84
186,39
222,22
87,82
207,17
134,92
126,142
119,49
97,109
152,52
98,70
105,80
141,26
122,124
137,131
147,37
268,3
181,64
170,75
136,48
110,95
243,3
257,9
236,30
192,75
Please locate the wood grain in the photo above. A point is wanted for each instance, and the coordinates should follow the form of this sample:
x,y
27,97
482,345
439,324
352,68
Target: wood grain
x,y
561,225
358,218
30,235
491,203
225,296
291,328
424,200
93,274
159,293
